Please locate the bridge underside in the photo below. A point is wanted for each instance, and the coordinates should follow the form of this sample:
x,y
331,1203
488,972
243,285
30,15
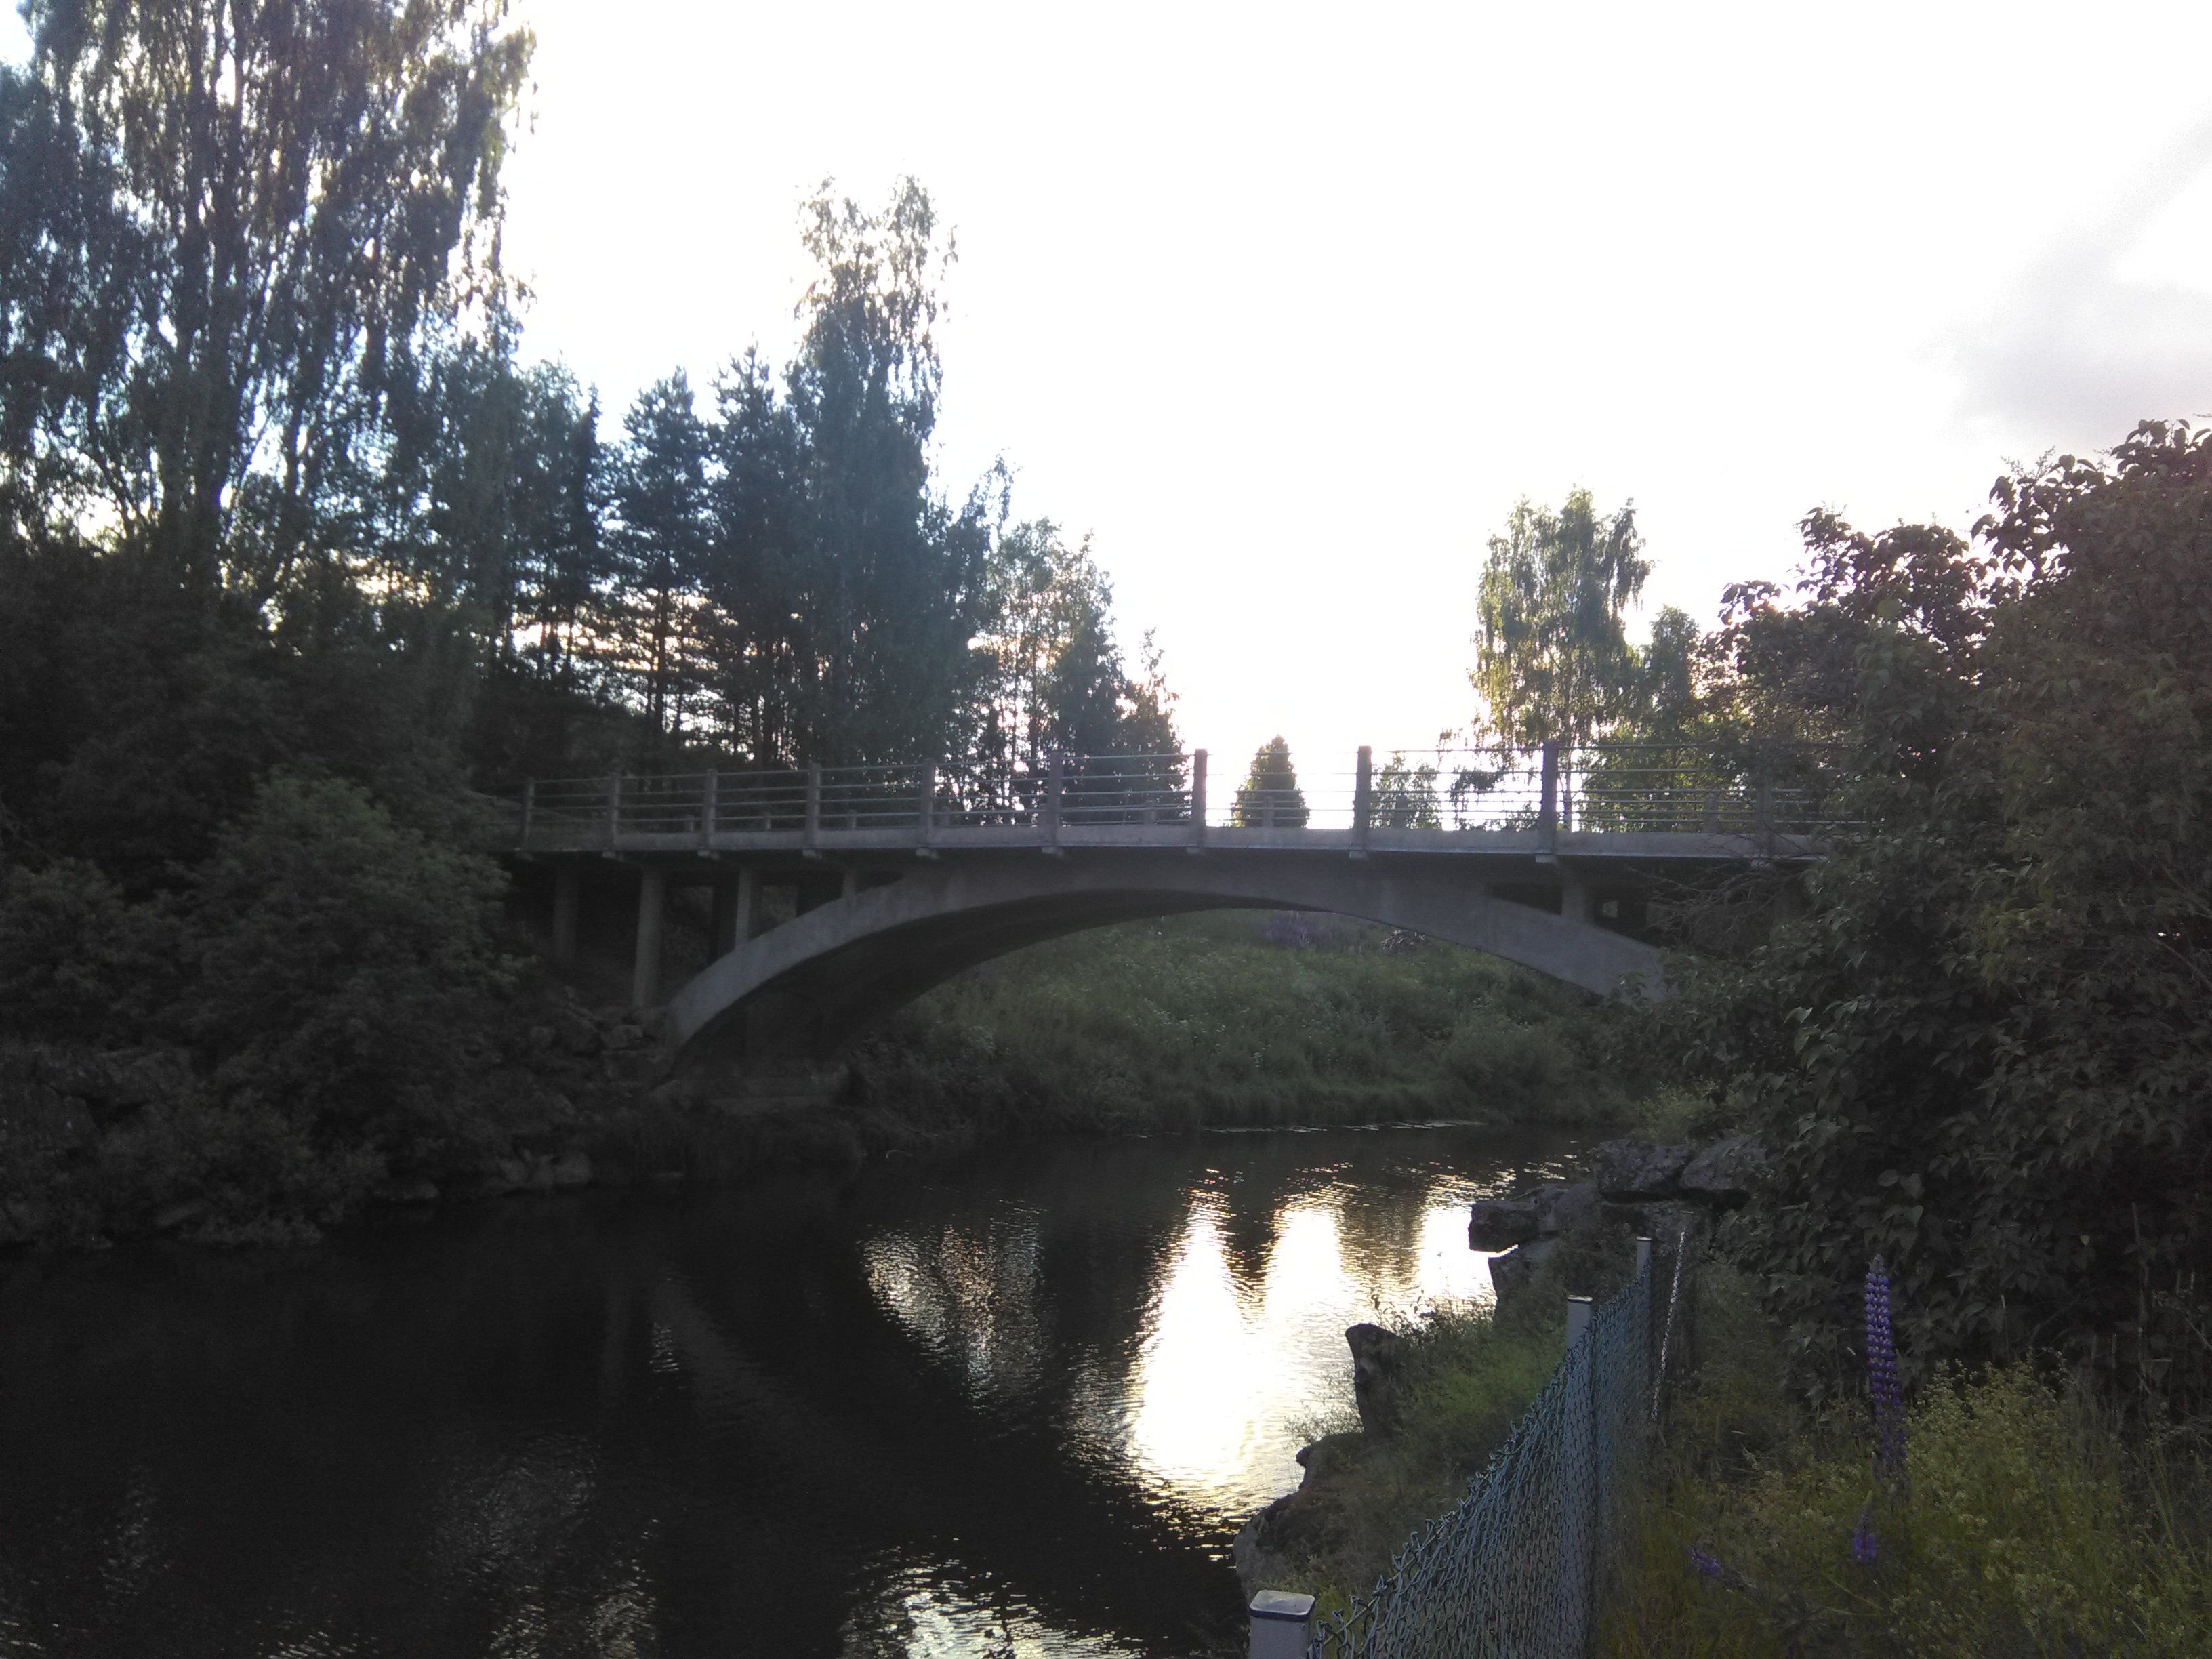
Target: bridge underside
x,y
801,991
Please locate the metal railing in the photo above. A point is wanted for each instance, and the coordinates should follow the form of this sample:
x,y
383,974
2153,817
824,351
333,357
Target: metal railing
x,y
1604,789
1516,1569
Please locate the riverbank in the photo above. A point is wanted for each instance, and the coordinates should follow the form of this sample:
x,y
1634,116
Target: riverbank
x,y
1231,1020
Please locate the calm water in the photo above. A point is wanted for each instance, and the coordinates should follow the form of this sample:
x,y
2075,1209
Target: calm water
x,y
1014,1403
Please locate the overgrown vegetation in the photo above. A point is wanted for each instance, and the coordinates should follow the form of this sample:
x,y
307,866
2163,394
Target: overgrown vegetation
x,y
1981,1050
2034,1517
1252,1018
1465,1377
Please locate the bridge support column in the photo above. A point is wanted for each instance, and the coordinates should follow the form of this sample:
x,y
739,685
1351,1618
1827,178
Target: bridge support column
x,y
851,885
567,891
1577,898
644,977
726,930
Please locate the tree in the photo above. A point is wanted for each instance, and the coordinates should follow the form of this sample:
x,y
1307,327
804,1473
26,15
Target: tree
x,y
256,216
1983,1054
1269,797
661,535
1552,660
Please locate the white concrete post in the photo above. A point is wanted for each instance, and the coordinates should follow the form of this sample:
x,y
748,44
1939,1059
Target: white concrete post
x,y
1578,1319
1282,1624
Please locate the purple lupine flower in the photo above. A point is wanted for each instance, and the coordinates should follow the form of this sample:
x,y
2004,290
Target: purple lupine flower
x,y
1882,1376
1707,1564
1866,1548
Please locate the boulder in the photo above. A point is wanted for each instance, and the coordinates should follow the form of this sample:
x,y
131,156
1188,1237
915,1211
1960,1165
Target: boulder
x,y
1727,1172
1510,1273
1498,1224
1562,1206
1628,1170
622,1037
1378,1370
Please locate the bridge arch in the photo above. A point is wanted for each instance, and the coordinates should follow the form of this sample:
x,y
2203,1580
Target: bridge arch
x,y
802,990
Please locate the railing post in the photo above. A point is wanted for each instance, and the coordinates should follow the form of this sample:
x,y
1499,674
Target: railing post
x,y
1055,780
614,809
1712,811
813,835
707,812
1282,1624
1197,798
528,809
1765,809
924,808
1362,801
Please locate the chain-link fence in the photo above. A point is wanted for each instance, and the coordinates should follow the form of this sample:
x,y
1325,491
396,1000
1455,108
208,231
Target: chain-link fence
x,y
1514,1572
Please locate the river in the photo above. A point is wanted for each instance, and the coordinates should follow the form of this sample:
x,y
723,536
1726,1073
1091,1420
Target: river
x,y
1014,1402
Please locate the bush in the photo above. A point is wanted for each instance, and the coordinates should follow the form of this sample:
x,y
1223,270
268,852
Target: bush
x,y
2032,1520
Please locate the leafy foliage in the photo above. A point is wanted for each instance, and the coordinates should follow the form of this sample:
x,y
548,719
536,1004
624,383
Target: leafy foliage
x,y
1982,1053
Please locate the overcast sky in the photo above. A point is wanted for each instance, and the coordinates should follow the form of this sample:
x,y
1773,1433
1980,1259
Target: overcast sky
x,y
1287,306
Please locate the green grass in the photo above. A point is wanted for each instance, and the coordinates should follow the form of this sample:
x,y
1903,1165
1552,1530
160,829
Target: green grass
x,y
1208,1020
1469,1377
2035,1519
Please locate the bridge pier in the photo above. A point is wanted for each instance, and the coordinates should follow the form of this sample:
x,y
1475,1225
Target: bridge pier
x,y
568,894
652,899
1577,898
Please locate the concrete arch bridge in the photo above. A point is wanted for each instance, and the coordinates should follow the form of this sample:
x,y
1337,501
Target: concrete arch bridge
x,y
839,893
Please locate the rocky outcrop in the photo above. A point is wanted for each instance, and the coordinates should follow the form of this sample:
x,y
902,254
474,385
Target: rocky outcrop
x,y
1500,1224
1726,1173
1629,1171
1378,1376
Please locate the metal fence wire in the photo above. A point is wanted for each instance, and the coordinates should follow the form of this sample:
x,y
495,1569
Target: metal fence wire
x,y
1514,1572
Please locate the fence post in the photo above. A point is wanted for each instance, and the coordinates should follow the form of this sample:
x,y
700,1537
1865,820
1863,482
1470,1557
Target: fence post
x,y
707,812
1362,801
924,808
813,834
1197,799
1055,780
1282,1624
614,809
1547,813
529,808
1712,811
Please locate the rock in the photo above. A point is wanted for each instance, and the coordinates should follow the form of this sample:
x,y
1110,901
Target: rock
x,y
1562,1206
1498,1224
1633,1170
619,1038
170,1217
571,1170
1510,1273
413,1189
1727,1172
1378,1368
579,1037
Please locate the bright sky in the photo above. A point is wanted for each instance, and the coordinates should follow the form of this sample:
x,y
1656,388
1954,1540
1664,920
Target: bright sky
x,y
1286,305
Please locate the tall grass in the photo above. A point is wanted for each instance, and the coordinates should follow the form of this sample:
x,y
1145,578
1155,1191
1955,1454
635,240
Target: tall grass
x,y
1235,1018
2032,1518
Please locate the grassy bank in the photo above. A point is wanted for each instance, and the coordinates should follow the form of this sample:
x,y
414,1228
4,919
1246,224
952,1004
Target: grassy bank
x,y
2032,1518
1249,1018
1462,1378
